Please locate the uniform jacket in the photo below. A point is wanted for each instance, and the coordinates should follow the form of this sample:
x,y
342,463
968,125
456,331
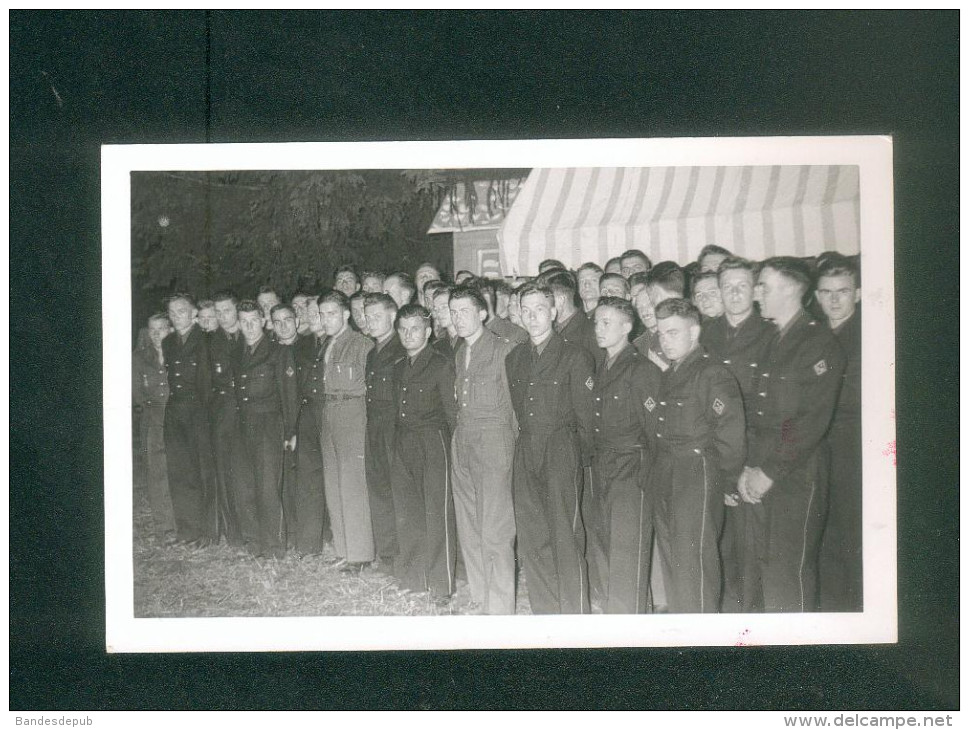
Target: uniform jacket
x,y
446,346
798,390
555,391
344,372
149,379
648,345
847,414
741,349
700,409
189,374
381,390
309,366
425,391
580,331
266,382
621,397
224,354
482,389
507,330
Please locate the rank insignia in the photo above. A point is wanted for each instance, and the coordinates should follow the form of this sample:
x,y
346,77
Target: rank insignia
x,y
718,406
290,371
650,404
588,383
821,367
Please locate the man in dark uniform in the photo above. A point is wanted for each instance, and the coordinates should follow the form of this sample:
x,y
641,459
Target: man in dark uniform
x,y
699,444
400,287
188,445
842,587
569,320
266,394
426,414
738,339
285,328
225,349
587,278
448,341
381,311
621,534
786,476
551,384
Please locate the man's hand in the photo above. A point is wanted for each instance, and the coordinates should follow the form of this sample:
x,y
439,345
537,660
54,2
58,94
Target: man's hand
x,y
753,485
290,445
731,500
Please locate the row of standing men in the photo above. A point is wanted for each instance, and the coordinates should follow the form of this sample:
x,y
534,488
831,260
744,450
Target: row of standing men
x,y
586,434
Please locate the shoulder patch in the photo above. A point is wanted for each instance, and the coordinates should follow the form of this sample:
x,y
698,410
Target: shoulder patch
x,y
719,406
589,383
290,372
820,367
650,404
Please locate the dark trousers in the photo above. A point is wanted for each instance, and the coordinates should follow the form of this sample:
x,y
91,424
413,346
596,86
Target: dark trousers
x,y
783,539
551,537
842,585
156,470
191,476
623,528
306,503
424,508
379,455
262,434
687,516
230,470
732,557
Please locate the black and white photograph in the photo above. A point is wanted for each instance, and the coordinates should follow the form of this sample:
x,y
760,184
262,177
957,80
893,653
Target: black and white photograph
x,y
575,392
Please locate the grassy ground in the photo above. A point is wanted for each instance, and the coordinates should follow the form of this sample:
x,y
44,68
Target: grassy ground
x,y
223,581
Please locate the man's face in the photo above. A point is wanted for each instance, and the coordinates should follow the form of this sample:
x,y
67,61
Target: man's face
x,y
357,311
299,309
251,325
612,288
612,328
838,297
395,290
380,321
589,284
346,281
466,317
515,310
774,293
373,284
158,330
706,297
677,336
208,320
737,291
227,314
712,261
537,315
632,265
442,312
266,301
424,275
182,314
313,323
644,307
333,317
414,333
284,323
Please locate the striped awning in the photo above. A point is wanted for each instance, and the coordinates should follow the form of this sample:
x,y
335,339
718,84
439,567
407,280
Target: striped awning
x,y
592,214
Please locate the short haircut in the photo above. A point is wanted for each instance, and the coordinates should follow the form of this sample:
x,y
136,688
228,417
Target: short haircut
x,y
563,283
405,281
372,275
731,263
464,271
502,287
836,264
225,296
636,253
677,307
703,276
551,264
358,295
334,296
300,293
606,278
791,268
432,284
486,287
471,293
623,306
207,304
250,305
160,317
427,265
380,299
442,290
639,278
590,266
346,269
413,310
267,289
281,307
669,276
536,288
714,249
180,295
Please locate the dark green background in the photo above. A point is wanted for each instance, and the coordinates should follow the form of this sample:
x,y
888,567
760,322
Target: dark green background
x,y
197,77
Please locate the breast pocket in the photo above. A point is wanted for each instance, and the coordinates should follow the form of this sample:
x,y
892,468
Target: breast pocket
x,y
484,393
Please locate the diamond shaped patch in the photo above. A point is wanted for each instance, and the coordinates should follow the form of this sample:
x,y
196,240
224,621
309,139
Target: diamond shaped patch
x,y
718,406
650,404
589,384
290,371
820,367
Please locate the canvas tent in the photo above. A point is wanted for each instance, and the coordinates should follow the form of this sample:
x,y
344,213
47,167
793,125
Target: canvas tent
x,y
592,214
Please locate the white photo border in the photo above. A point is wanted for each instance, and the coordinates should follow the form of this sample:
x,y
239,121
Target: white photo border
x,y
877,624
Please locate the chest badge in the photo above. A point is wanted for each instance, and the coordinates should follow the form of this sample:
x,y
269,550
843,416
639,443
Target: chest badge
x,y
588,383
719,406
290,371
820,368
650,404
